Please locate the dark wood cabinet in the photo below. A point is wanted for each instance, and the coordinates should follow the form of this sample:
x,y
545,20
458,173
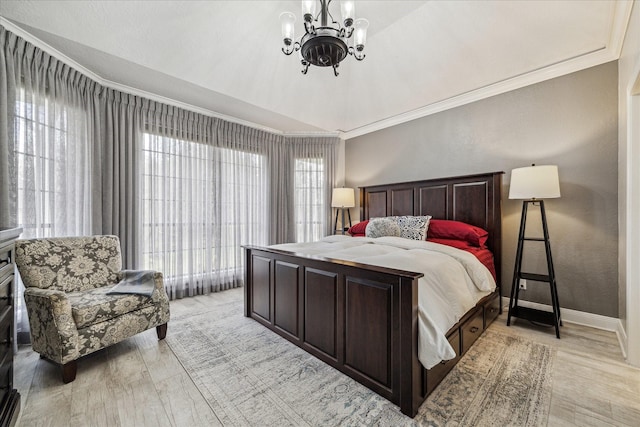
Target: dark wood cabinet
x,y
9,397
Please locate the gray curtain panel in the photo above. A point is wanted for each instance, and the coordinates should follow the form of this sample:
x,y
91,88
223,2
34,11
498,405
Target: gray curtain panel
x,y
8,195
119,172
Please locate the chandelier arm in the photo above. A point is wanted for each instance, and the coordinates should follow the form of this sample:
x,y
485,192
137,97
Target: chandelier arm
x,y
309,28
335,70
355,54
317,18
306,67
333,20
294,48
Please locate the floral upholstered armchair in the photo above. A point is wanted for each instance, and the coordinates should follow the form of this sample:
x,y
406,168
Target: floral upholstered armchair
x,y
71,313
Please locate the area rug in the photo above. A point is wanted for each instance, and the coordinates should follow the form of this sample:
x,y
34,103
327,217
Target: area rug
x,y
252,377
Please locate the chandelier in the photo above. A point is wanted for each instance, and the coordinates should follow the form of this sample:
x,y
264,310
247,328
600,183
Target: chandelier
x,y
325,44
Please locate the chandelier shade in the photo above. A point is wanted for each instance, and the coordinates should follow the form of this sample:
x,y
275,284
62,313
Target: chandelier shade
x,y
360,37
288,20
326,42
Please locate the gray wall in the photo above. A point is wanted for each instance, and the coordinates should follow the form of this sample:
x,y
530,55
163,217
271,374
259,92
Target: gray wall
x,y
570,121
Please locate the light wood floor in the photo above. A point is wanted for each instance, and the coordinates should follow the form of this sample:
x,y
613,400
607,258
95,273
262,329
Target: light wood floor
x,y
139,382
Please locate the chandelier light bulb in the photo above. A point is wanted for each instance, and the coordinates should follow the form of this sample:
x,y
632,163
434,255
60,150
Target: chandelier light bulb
x,y
309,10
288,19
347,8
360,34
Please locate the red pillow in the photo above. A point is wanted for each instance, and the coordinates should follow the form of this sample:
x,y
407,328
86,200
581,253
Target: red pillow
x,y
358,229
445,229
459,244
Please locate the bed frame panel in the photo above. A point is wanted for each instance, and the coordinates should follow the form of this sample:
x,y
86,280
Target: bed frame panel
x,y
362,319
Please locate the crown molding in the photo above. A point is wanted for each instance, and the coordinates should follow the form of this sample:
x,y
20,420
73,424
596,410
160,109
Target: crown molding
x,y
18,31
610,52
312,134
619,25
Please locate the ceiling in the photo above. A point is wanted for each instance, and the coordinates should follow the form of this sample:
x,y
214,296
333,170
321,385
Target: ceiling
x,y
422,56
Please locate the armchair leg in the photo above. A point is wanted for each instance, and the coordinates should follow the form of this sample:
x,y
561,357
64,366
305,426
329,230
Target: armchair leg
x,y
69,371
161,330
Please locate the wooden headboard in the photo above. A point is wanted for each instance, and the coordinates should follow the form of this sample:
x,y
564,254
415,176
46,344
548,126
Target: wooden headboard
x,y
474,199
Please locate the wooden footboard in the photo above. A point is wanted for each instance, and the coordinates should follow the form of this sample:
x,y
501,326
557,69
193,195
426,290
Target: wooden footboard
x,y
360,319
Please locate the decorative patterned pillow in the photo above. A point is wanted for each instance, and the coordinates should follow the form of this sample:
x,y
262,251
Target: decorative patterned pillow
x,y
380,227
413,227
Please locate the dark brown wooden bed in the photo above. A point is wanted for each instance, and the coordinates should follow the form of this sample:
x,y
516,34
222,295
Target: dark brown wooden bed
x,y
362,319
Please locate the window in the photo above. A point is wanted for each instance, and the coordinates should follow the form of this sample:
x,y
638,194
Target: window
x,y
200,205
309,199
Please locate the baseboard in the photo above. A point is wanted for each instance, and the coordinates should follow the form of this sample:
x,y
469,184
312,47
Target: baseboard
x,y
622,339
592,320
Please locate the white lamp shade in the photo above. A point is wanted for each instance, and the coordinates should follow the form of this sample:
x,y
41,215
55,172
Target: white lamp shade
x,y
535,182
343,198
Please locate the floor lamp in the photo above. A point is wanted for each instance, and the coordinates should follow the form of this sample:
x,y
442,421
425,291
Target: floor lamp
x,y
532,184
342,199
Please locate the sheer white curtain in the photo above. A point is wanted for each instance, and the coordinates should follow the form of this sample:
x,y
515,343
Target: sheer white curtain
x,y
314,169
53,166
51,147
202,199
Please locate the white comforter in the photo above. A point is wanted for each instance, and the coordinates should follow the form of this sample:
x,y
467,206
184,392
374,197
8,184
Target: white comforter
x,y
453,282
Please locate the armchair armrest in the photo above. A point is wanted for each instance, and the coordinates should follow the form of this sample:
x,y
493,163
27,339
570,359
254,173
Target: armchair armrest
x,y
53,331
158,279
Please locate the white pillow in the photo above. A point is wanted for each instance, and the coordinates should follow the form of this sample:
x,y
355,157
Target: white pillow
x,y
381,227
